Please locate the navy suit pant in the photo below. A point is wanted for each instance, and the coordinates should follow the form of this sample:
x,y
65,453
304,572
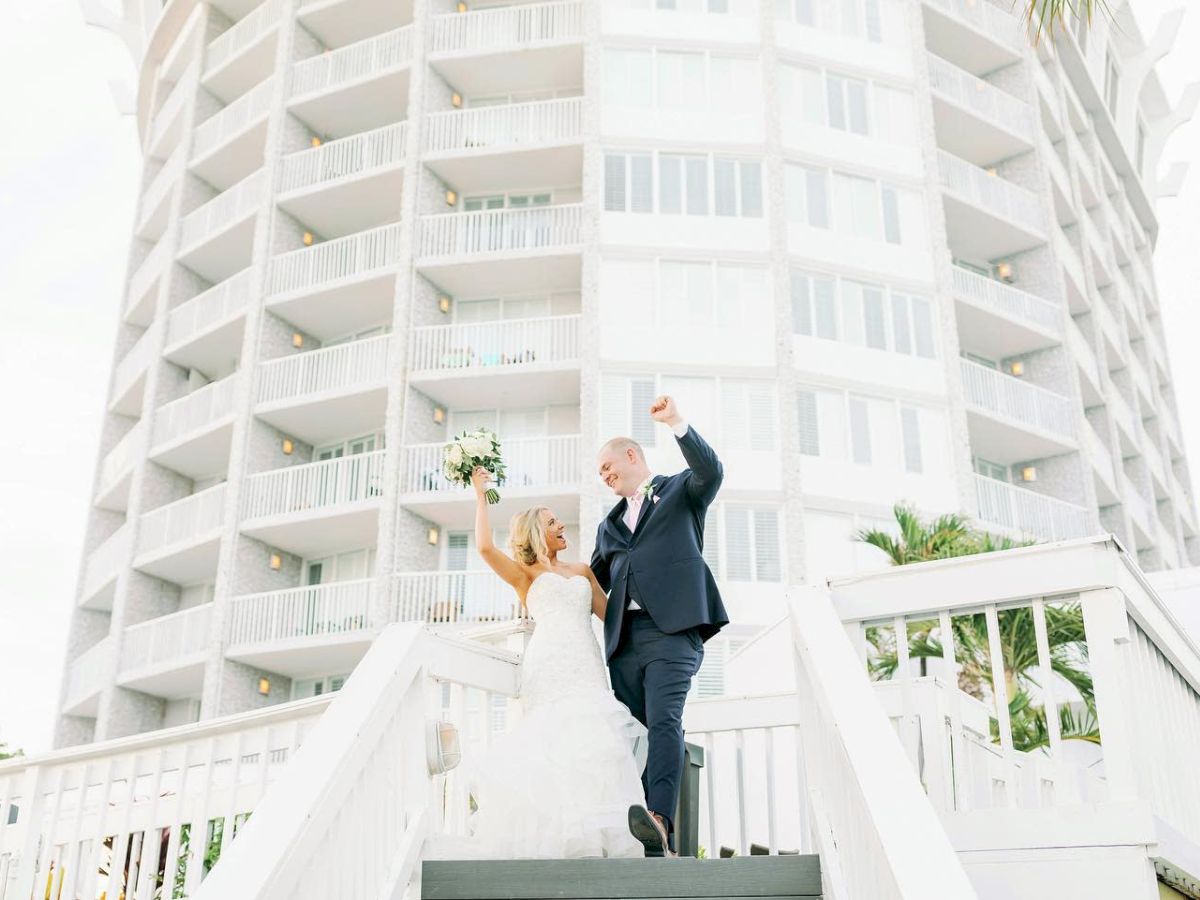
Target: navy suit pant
x,y
651,674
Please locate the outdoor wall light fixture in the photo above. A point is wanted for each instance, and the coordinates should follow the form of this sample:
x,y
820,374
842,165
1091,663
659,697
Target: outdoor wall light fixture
x,y
443,750
444,303
1017,367
1029,473
439,415
264,686
288,446
451,197
433,535
308,239
1004,271
456,100
297,339
462,7
316,141
992,171
276,562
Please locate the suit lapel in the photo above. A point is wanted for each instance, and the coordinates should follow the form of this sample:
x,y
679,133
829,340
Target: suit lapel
x,y
616,518
644,512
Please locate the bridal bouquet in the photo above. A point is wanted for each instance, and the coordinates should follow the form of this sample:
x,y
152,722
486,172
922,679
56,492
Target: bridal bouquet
x,y
469,450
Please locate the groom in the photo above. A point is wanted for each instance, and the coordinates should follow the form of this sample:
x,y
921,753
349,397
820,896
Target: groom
x,y
663,602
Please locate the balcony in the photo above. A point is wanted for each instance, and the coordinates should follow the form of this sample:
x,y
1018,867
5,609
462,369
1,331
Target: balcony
x,y
217,239
498,148
180,541
337,286
451,598
336,23
103,565
229,145
974,34
497,364
155,206
167,127
997,320
87,675
326,394
543,43
1068,253
460,251
542,471
141,296
354,88
1011,420
347,185
205,332
165,657
1102,466
129,375
987,216
1019,511
975,120
192,434
1091,386
1139,511
305,631
1101,255
316,508
116,470
244,54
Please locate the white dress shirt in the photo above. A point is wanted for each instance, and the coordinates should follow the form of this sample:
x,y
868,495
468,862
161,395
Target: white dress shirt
x,y
633,503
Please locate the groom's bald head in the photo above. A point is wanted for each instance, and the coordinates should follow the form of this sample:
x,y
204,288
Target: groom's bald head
x,y
621,464
621,446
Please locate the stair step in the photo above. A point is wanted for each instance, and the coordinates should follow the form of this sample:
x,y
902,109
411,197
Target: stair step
x,y
776,877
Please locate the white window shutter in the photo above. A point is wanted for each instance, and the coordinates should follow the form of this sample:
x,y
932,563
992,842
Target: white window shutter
x,y
724,187
860,431
734,421
712,540
697,185
457,549
641,184
826,308
760,405
670,184
802,313
614,406
922,327
810,439
750,181
901,330
910,426
737,543
614,182
641,395
873,322
767,556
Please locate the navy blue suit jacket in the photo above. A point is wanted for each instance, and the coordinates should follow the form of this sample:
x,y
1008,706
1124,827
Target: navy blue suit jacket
x,y
664,554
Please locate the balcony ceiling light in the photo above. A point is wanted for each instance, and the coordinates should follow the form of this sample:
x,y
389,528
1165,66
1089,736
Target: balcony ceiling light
x,y
433,535
462,7
439,415
288,446
264,686
1029,473
297,340
1017,367
308,239
316,141
444,303
456,100
276,562
451,198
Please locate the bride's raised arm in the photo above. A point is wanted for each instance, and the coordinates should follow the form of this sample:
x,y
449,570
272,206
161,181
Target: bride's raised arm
x,y
496,559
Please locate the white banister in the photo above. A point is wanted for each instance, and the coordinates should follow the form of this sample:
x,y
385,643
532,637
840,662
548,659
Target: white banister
x,y
105,561
147,272
1007,300
979,96
162,182
195,411
539,122
336,609
447,598
186,520
500,230
338,368
235,118
348,157
513,342
167,639
181,92
1011,507
993,193
528,462
119,460
372,57
507,28
1008,397
220,302
348,257
134,363
88,672
242,34
223,210
315,486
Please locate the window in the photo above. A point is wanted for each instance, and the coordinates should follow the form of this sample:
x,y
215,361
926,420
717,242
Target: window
x,y
871,431
847,98
856,205
863,314
807,195
853,18
911,431
802,12
810,434
628,77
680,80
625,402
990,469
751,544
748,415
891,214
737,187
628,182
683,184
860,431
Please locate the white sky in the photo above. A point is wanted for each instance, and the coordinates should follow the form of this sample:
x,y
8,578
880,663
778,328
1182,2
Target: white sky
x,y
69,170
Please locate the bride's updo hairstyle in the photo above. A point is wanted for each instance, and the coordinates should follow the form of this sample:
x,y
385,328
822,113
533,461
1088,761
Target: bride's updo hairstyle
x,y
527,537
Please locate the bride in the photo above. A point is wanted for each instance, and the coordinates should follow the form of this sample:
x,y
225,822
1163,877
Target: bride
x,y
560,784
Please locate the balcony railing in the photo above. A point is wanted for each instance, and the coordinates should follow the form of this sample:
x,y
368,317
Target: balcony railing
x,y
1010,398
1008,301
985,17
1099,452
106,561
186,520
315,487
1019,509
218,303
166,639
339,368
223,210
1084,353
181,92
338,608
500,231
981,97
233,119
489,345
241,35
150,269
528,462
348,157
1138,508
364,59
451,598
509,27
162,182
119,459
195,411
133,363
998,196
88,672
349,257
541,122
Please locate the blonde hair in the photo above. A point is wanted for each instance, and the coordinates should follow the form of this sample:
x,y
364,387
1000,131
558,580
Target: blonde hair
x,y
527,536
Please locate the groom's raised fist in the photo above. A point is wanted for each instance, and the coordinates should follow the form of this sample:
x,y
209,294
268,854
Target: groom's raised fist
x,y
663,410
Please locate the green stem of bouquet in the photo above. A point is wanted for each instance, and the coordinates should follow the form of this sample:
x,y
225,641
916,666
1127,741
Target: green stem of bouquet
x,y
492,496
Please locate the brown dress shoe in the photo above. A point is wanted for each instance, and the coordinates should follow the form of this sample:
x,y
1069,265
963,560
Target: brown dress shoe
x,y
649,828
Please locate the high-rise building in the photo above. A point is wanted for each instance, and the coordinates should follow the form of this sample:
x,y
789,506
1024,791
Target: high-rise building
x,y
879,251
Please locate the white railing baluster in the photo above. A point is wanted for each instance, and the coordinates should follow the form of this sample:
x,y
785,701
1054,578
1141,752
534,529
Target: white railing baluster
x,y
247,110
242,34
370,58
119,460
345,158
494,345
982,97
486,127
223,210
217,304
134,363
507,28
348,257
1007,300
312,486
500,231
188,519
343,366
998,196
194,412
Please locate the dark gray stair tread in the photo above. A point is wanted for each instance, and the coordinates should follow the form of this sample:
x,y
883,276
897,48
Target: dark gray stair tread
x,y
611,879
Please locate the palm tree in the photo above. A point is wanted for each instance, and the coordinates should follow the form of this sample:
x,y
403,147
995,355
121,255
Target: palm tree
x,y
949,536
5,753
1050,15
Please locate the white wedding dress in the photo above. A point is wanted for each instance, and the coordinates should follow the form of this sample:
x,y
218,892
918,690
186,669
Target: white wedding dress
x,y
561,782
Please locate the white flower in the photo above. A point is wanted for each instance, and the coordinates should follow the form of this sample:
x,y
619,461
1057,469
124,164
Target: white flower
x,y
454,455
476,446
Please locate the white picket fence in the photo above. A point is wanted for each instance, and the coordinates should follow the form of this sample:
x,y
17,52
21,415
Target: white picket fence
x,y
995,194
223,211
507,28
195,411
365,59
167,639
184,521
348,157
340,608
1028,512
500,231
1008,301
314,487
538,123
513,342
528,462
342,367
215,305
348,257
981,97
237,117
242,34
1008,397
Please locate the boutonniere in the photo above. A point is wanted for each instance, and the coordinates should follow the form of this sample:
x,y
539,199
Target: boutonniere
x,y
648,492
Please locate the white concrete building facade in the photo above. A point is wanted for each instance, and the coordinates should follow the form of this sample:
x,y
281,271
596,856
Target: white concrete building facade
x,y
880,251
